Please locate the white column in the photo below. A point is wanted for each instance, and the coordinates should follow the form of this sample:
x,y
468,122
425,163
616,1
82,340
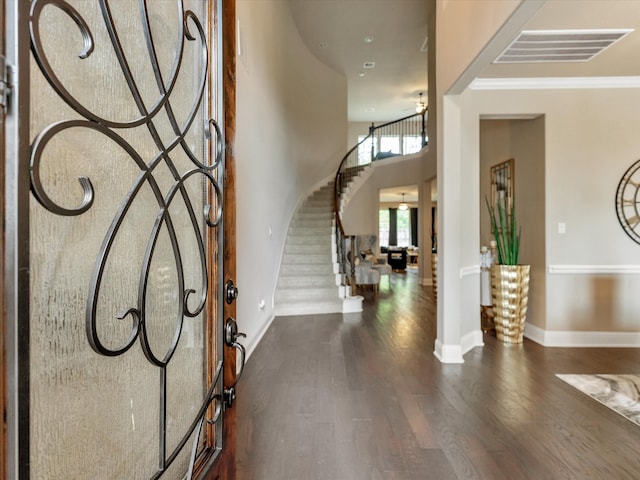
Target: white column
x,y
448,348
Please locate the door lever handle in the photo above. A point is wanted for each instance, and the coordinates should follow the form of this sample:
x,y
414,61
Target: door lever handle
x,y
243,353
231,336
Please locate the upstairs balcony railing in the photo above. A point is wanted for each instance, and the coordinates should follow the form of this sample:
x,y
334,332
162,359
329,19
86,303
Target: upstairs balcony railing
x,y
401,137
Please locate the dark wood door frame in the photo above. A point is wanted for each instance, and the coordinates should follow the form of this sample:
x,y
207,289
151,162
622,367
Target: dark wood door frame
x,y
225,468
3,397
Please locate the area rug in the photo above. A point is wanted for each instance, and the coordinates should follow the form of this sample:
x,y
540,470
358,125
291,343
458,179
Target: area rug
x,y
621,393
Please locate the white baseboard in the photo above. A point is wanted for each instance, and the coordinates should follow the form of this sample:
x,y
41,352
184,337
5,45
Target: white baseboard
x,y
426,282
448,353
352,304
254,343
471,340
555,338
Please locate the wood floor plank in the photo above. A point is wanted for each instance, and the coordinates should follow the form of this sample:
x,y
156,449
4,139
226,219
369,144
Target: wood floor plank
x,y
361,397
422,431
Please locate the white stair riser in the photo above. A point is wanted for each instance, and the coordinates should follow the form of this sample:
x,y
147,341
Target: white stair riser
x,y
311,294
302,259
307,249
310,232
296,224
323,199
315,215
295,269
306,281
316,211
307,240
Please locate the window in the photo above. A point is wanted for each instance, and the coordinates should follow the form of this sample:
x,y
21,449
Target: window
x,y
364,150
411,144
390,143
383,227
403,228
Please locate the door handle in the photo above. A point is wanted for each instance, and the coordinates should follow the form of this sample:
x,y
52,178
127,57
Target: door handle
x,y
231,336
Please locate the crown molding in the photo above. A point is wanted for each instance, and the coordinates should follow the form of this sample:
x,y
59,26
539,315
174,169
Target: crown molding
x,y
547,83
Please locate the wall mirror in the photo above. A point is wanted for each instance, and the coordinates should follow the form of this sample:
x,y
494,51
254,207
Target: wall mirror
x,y
502,182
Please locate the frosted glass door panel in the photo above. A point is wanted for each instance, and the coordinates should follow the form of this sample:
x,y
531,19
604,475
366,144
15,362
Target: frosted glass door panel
x,y
119,227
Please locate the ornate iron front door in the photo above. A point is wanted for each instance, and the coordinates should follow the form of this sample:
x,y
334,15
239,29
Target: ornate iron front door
x,y
118,247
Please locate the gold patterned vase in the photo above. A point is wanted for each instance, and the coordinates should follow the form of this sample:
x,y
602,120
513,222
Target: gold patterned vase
x,y
434,274
510,293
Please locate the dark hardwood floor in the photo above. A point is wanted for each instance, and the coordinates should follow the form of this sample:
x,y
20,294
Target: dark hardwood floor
x,y
361,397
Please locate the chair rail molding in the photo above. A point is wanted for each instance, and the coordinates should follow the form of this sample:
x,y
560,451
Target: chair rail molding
x,y
469,270
593,269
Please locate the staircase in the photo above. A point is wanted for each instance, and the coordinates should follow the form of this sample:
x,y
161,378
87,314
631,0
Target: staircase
x,y
352,164
308,281
351,181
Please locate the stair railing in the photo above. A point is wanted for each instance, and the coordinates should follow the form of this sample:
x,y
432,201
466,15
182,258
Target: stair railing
x,y
411,136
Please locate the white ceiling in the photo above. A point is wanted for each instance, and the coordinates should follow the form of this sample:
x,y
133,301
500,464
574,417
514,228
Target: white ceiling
x,y
335,32
620,60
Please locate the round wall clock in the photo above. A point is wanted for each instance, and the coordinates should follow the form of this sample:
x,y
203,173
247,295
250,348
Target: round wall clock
x,y
628,200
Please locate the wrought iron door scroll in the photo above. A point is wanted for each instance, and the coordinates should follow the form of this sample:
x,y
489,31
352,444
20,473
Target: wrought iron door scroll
x,y
190,30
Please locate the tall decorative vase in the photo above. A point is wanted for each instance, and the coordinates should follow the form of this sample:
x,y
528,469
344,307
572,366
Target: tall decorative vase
x,y
434,274
510,293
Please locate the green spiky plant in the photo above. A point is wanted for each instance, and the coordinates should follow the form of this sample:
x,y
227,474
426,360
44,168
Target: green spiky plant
x,y
505,232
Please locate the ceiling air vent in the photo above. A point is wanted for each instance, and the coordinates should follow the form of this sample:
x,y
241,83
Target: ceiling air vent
x,y
369,64
559,45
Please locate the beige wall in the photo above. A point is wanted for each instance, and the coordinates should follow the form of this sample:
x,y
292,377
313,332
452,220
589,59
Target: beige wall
x,y
495,147
355,129
291,133
529,154
590,140
464,27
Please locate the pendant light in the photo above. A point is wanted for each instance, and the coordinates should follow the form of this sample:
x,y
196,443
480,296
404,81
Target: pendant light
x,y
403,206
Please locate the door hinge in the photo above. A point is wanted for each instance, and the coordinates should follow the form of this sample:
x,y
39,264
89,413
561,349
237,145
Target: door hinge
x,y
5,83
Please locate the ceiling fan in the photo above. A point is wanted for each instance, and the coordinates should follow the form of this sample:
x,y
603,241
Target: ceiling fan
x,y
421,105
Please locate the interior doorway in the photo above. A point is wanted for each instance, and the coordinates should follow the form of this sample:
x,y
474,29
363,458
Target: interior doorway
x,y
521,141
398,226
